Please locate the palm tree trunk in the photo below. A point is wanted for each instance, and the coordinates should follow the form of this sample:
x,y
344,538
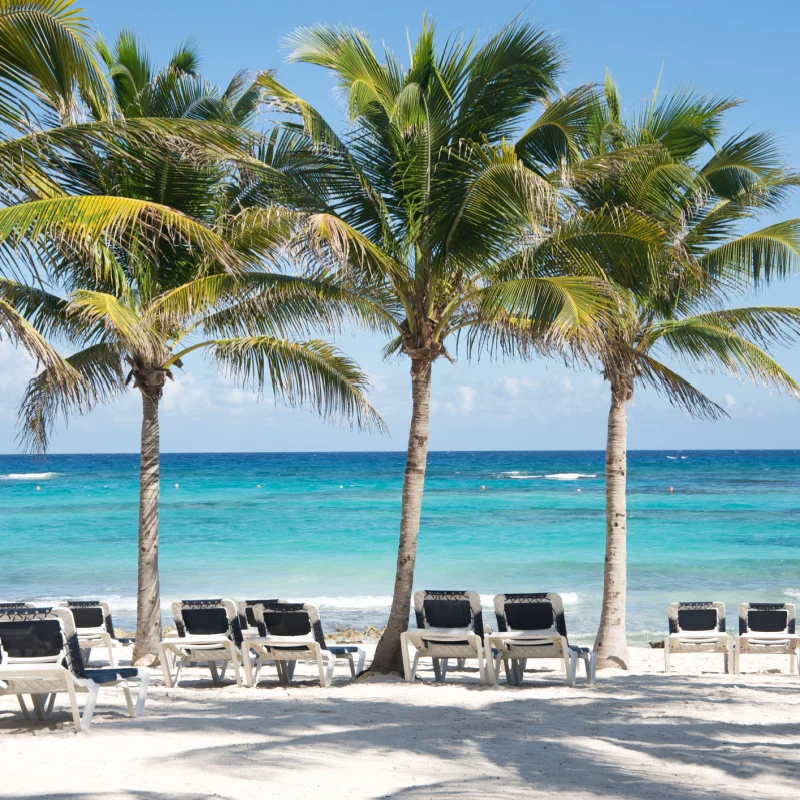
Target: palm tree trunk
x,y
148,606
387,655
611,643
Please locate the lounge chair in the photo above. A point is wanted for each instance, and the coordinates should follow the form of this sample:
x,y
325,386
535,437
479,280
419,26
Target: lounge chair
x,y
247,619
208,632
697,628
449,625
291,632
767,628
95,627
40,656
534,626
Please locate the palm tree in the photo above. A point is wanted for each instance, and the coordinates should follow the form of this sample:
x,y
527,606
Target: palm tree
x,y
137,314
49,77
660,209
421,200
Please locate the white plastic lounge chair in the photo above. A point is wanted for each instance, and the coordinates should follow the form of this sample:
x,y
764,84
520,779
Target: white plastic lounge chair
x,y
94,627
534,626
697,628
449,625
208,632
767,628
40,656
291,632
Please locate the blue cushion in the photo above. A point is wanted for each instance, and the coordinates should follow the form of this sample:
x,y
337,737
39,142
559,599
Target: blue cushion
x,y
111,675
342,650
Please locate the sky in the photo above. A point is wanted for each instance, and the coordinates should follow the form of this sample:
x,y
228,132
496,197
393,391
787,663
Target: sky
x,y
724,47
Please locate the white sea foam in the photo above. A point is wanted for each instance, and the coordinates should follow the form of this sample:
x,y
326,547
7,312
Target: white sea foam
x,y
357,601
517,476
28,476
672,458
569,599
569,476
792,592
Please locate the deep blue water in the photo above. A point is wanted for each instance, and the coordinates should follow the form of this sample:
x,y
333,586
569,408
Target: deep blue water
x,y
323,527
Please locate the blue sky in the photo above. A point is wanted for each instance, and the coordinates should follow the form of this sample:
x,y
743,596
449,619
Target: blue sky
x,y
721,46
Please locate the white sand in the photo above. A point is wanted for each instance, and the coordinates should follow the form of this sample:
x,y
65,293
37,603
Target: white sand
x,y
641,734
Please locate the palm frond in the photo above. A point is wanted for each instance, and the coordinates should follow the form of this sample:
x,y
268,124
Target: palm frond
x,y
312,373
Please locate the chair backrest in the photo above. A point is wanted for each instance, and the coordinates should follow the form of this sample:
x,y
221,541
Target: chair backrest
x,y
247,618
530,612
697,617
40,636
91,615
20,604
435,608
207,618
767,618
283,619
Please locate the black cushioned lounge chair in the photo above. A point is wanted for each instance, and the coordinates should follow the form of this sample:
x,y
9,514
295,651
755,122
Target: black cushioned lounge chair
x,y
534,626
697,628
40,656
208,632
247,619
291,632
449,625
95,628
767,629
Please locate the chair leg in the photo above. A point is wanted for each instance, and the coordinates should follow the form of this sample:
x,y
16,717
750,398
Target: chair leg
x,y
73,702
445,664
165,666
126,690
571,666
592,666
518,672
48,710
461,663
86,653
666,656
362,654
331,667
510,672
36,699
112,658
212,666
437,670
23,707
88,709
234,662
351,664
144,682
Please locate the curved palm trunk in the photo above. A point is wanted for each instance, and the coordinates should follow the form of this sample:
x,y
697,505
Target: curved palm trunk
x,y
387,655
148,606
611,643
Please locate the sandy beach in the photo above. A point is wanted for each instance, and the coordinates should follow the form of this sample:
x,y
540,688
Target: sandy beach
x,y
696,733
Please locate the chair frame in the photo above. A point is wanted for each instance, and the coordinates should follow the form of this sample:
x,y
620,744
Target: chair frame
x,y
209,649
44,677
785,642
515,647
286,651
442,644
714,640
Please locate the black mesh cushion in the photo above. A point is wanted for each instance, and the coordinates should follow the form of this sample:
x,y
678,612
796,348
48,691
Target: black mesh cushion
x,y
88,617
248,611
529,616
287,623
111,675
39,638
697,619
205,621
447,613
767,620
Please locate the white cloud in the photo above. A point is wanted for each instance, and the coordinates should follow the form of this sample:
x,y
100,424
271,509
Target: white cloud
x,y
466,395
730,400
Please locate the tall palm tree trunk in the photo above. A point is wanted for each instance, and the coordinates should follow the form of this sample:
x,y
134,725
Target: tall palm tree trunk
x,y
148,606
611,643
387,655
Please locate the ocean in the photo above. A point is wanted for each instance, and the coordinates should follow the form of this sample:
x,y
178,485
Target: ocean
x,y
322,527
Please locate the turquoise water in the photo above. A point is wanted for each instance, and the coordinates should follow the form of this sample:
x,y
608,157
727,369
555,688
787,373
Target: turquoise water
x,y
323,528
